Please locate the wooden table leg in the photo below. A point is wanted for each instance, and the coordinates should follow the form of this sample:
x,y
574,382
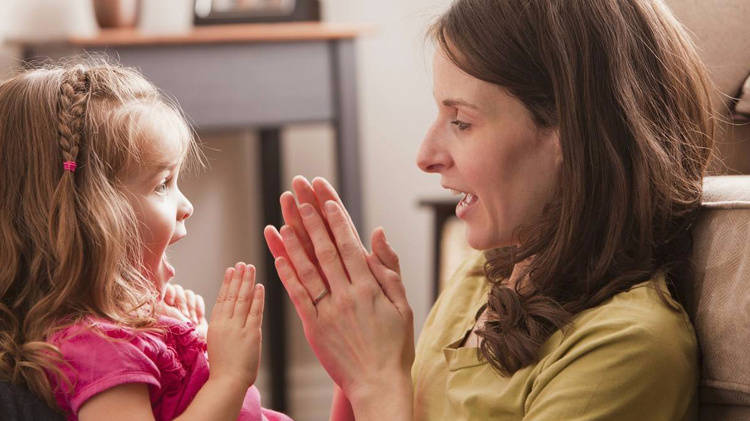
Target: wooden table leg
x,y
271,173
348,169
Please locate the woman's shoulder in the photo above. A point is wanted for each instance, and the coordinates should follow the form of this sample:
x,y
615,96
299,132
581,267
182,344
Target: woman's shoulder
x,y
635,353
644,321
647,307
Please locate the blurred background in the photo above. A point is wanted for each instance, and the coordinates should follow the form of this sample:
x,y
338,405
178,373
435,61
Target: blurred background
x,y
387,84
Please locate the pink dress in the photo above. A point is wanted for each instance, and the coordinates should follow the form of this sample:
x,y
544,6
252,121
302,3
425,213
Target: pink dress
x,y
172,364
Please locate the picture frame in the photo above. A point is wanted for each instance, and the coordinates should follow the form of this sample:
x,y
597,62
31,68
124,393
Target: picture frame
x,y
210,12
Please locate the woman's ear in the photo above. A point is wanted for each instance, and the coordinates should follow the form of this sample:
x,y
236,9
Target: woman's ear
x,y
558,146
551,138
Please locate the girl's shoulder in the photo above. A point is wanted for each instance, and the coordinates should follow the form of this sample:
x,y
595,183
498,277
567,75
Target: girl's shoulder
x,y
97,354
95,334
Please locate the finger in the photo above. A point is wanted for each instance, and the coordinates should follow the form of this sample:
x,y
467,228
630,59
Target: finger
x,y
219,309
245,295
297,293
170,311
234,289
306,271
292,218
383,250
169,294
348,244
255,316
200,308
325,249
305,193
274,241
390,282
191,300
324,191
180,301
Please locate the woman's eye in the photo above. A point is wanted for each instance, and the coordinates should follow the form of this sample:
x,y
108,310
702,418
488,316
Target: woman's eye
x,y
460,124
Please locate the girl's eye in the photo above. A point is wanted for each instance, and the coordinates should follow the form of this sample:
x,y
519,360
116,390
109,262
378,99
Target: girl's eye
x,y
460,124
161,188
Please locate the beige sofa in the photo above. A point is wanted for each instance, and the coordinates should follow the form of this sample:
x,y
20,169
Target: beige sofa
x,y
719,299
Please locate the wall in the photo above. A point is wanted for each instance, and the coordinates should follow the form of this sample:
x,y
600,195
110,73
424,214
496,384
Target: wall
x,y
395,110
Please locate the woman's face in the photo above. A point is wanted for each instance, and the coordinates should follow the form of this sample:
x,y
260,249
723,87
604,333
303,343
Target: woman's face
x,y
485,145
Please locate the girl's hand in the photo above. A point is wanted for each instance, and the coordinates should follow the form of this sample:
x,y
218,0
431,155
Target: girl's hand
x,y
184,304
234,334
361,333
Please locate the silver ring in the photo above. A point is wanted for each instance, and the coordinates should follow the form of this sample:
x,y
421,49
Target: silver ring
x,y
320,296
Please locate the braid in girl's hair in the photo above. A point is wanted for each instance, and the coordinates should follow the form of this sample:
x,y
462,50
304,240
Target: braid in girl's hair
x,y
64,227
74,94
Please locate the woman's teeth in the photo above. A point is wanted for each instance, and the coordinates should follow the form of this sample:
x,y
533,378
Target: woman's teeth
x,y
466,198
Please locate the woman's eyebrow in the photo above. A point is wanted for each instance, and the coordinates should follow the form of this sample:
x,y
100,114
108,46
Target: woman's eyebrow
x,y
459,102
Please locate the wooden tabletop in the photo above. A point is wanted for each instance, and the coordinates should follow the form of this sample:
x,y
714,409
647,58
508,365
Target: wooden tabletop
x,y
224,33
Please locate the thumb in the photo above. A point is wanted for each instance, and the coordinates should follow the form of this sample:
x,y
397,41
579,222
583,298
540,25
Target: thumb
x,y
383,250
390,283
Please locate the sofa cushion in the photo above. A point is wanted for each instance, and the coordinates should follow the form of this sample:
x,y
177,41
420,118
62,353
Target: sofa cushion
x,y
719,299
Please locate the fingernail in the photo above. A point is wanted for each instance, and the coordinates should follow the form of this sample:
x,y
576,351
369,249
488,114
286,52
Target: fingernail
x,y
382,230
306,210
330,207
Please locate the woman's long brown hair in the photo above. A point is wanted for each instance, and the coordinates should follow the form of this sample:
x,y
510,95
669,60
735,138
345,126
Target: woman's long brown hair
x,y
623,84
69,241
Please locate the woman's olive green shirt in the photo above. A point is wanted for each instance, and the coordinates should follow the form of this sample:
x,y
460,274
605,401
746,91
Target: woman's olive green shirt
x,y
634,357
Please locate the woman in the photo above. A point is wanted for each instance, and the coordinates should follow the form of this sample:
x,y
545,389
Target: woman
x,y
578,133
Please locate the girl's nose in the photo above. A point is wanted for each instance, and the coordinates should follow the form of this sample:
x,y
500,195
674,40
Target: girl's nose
x,y
432,157
185,210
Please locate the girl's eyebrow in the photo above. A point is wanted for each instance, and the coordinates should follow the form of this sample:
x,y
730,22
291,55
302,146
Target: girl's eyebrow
x,y
165,165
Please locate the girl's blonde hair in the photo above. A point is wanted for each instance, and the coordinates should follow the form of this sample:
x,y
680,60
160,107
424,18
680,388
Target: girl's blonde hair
x,y
69,241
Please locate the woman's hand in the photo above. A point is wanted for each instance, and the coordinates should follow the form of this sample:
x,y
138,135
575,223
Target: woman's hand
x,y
234,334
362,330
184,304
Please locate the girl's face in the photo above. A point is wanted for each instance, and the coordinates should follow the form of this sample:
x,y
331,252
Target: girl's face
x,y
160,206
485,145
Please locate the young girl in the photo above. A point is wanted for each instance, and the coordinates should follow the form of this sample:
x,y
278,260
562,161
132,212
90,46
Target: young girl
x,y
92,154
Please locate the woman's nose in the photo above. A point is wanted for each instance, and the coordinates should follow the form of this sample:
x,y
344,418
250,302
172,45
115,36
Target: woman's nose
x,y
432,157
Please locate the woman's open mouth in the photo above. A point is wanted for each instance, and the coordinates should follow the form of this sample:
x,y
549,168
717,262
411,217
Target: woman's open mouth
x,y
468,200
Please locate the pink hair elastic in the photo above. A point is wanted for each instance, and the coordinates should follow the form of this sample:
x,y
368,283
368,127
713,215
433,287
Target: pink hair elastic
x,y
69,166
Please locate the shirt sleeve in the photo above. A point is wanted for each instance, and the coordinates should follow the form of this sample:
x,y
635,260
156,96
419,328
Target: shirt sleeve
x,y
98,360
618,372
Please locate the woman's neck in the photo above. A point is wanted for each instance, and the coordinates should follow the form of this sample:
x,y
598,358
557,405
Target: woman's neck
x,y
518,274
